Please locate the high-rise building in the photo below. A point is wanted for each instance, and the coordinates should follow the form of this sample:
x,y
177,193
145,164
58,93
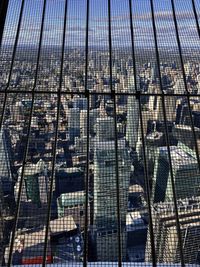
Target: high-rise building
x,y
80,103
154,73
154,140
68,180
179,86
35,188
5,157
185,173
105,129
74,123
180,131
165,232
83,123
6,185
132,117
105,208
17,111
132,122
94,114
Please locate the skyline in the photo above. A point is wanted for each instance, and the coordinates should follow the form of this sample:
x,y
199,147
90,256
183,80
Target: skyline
x,y
98,23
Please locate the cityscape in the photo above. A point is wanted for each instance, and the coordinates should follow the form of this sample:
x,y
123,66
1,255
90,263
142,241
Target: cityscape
x,y
103,154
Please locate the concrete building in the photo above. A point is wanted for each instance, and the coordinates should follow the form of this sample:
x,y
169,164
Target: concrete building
x,y
73,204
64,243
68,180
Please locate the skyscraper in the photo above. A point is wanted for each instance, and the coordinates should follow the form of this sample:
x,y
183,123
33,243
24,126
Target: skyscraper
x,y
5,157
83,123
73,123
105,208
185,172
132,116
105,129
165,232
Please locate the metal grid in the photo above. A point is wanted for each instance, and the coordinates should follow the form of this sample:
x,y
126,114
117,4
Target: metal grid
x,y
9,91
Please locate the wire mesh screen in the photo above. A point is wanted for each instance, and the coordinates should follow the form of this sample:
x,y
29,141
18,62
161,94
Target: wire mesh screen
x,y
99,132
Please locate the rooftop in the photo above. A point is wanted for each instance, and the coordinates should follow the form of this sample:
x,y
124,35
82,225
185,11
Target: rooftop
x,y
62,225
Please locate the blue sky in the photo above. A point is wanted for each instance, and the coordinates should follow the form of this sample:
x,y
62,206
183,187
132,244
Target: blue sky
x,y
98,30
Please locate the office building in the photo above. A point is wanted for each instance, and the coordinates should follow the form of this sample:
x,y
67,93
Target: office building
x,y
154,140
136,228
35,184
165,232
73,123
6,162
132,122
180,131
154,73
73,204
68,180
132,117
105,208
185,174
104,129
83,123
80,103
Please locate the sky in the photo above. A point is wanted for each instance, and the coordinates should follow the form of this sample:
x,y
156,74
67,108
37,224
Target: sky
x,y
98,23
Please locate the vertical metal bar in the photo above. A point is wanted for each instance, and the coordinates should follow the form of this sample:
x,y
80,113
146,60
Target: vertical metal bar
x,y
147,186
87,95
185,83
167,137
116,140
3,13
12,62
56,137
27,142
196,16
